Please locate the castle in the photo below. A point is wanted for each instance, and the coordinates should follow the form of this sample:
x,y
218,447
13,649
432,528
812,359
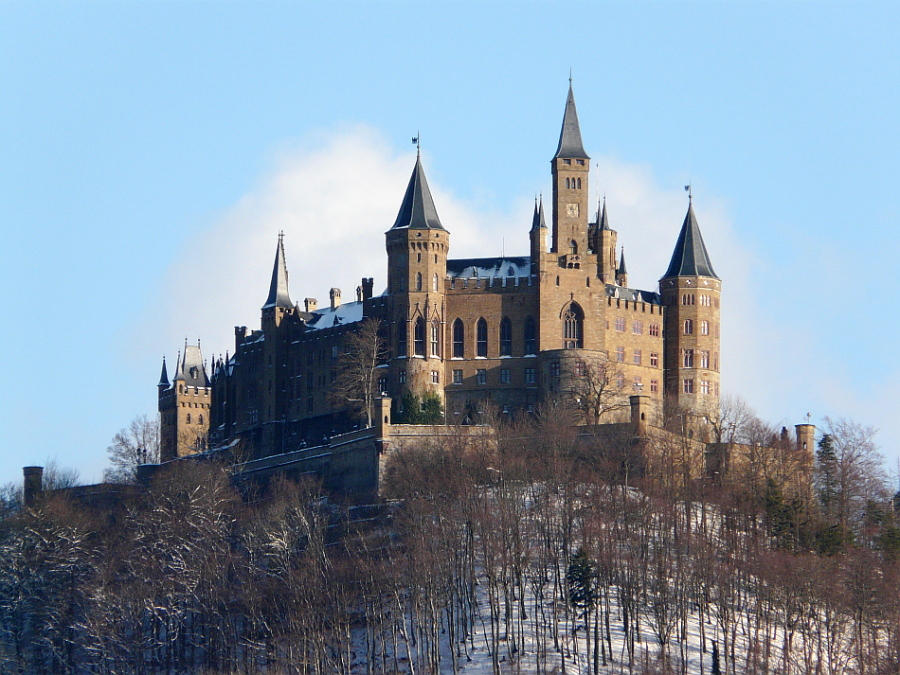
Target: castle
x,y
502,333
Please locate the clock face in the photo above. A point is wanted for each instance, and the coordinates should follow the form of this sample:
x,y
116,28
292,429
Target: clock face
x,y
572,210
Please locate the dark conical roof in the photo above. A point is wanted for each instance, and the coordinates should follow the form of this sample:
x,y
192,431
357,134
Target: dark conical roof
x,y
622,269
163,376
690,258
190,368
602,222
417,211
278,288
570,144
537,220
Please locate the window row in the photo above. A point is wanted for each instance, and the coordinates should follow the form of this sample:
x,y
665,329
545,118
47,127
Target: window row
x,y
481,376
637,326
705,300
706,327
481,338
706,387
687,358
573,183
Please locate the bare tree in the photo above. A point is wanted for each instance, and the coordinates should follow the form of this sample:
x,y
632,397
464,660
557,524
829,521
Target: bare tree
x,y
358,370
136,444
593,385
730,419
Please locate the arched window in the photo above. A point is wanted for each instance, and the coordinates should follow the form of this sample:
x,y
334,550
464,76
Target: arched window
x,y
573,247
200,419
418,281
459,338
567,183
505,337
573,320
435,338
434,283
481,338
530,336
688,327
189,418
402,328
419,337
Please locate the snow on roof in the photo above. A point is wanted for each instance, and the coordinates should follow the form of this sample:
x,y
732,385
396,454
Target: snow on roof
x,y
349,312
489,268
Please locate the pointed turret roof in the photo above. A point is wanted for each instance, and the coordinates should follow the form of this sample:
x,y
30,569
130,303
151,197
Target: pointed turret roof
x,y
537,221
690,258
278,288
191,369
164,375
622,269
602,222
570,144
417,211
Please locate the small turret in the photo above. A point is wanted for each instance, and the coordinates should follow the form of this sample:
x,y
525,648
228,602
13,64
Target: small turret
x,y
163,377
621,271
538,235
605,247
278,303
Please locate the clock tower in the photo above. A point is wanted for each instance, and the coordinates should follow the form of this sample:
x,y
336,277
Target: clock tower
x,y
570,166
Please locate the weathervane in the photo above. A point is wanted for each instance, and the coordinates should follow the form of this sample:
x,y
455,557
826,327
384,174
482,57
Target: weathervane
x,y
416,142
690,190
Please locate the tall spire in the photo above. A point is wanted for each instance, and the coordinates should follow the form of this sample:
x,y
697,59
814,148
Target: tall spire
x,y
278,289
602,222
537,221
417,211
690,258
164,375
570,145
622,269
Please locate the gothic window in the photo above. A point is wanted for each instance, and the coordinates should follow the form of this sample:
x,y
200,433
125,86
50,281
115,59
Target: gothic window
x,y
704,328
434,283
573,247
573,321
688,327
401,340
189,418
481,338
688,358
418,281
506,337
567,183
530,336
654,329
579,183
435,339
459,338
419,337
200,419
704,359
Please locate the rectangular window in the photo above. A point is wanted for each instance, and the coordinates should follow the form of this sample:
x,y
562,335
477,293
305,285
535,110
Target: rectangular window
x,y
637,327
620,381
505,377
688,386
654,359
636,357
401,341
620,324
382,384
579,368
704,328
704,386
435,339
309,406
688,327
457,377
334,352
481,338
458,339
554,369
530,376
481,376
435,377
704,359
654,386
715,361
688,358
401,377
620,354
637,385
654,329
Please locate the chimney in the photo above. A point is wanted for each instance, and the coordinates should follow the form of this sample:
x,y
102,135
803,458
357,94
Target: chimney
x,y
34,484
311,304
367,284
335,295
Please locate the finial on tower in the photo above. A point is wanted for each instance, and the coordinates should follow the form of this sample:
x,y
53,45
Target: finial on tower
x,y
690,190
570,76
417,143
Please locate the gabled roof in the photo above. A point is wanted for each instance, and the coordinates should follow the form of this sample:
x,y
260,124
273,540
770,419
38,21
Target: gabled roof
x,y
278,288
570,145
417,211
690,258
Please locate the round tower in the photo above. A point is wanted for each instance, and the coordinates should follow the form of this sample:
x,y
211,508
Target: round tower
x,y
691,294
417,247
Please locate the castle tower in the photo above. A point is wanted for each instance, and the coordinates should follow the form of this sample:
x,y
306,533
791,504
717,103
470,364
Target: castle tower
x,y
278,303
605,247
621,271
278,313
690,292
417,247
570,166
538,236
184,406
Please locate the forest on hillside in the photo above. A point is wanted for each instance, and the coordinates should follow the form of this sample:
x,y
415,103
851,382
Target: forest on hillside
x,y
530,552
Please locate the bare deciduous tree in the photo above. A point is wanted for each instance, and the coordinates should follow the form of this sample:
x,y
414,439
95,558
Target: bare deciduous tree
x,y
358,370
136,444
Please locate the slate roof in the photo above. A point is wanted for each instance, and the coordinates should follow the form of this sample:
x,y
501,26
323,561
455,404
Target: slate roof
x,y
278,288
417,211
490,268
633,294
163,376
190,369
570,145
690,258
537,220
622,269
602,221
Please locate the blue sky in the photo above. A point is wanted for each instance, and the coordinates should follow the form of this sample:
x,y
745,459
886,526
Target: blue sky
x,y
150,152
